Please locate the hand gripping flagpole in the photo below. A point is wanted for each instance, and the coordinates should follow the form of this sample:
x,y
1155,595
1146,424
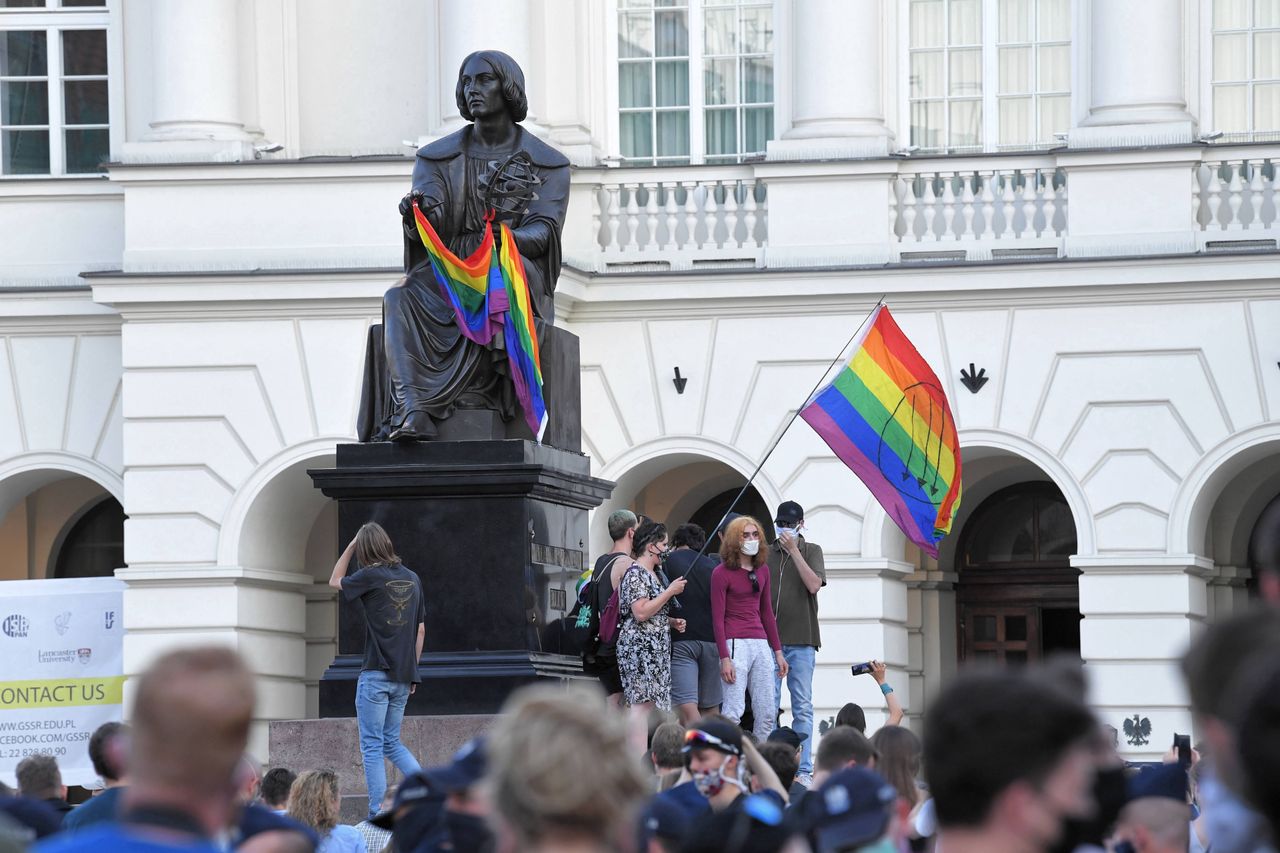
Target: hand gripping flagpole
x,y
823,378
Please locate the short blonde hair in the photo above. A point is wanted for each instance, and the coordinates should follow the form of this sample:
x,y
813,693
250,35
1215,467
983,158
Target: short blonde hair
x,y
191,717
559,763
731,543
313,800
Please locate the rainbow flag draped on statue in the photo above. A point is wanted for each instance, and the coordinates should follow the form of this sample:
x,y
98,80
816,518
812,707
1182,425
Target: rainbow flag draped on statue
x,y
886,416
489,294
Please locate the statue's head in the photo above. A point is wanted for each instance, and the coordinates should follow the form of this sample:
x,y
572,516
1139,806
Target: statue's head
x,y
509,79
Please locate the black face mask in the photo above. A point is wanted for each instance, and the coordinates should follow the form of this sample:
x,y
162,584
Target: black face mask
x,y
469,833
1109,798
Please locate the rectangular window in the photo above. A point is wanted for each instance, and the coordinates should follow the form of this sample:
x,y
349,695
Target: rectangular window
x,y
695,80
1246,69
1023,46
54,102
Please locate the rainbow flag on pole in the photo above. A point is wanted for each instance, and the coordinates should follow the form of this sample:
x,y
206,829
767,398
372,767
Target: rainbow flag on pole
x,y
490,293
886,416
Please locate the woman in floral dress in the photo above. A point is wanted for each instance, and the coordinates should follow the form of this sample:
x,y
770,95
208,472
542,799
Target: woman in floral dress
x,y
644,638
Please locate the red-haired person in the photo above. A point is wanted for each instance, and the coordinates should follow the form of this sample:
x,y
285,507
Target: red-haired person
x,y
744,626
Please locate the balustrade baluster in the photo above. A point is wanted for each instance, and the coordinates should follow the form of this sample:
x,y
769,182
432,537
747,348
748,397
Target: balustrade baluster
x,y
948,206
929,201
988,205
671,216
690,215
1028,193
651,217
1215,196
633,217
910,207
1268,204
966,208
749,216
613,219
731,220
1199,203
1255,195
710,213
1006,206
1049,204
1235,196
597,217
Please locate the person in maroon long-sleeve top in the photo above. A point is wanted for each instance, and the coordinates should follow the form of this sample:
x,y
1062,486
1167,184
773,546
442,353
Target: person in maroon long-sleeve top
x,y
745,630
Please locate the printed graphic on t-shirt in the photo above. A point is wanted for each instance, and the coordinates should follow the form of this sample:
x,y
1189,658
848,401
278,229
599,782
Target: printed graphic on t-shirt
x,y
400,594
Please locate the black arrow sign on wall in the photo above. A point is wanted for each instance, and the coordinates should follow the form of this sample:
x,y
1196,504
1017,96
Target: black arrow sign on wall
x,y
973,378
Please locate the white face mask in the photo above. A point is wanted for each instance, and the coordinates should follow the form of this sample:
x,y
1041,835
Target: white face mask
x,y
751,547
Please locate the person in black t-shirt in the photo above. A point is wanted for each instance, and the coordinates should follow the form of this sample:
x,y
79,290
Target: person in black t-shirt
x,y
696,688
395,628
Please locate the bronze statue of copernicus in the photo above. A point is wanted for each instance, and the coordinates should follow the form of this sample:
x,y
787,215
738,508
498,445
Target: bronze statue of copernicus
x,y
428,367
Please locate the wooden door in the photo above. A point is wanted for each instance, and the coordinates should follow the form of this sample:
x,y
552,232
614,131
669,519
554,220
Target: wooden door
x,y
1006,635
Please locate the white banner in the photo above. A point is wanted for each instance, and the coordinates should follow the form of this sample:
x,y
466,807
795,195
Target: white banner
x,y
61,670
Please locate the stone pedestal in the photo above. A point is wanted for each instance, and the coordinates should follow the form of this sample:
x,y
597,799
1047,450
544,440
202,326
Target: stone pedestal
x,y
497,530
335,744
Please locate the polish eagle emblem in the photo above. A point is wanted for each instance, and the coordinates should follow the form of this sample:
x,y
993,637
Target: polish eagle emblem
x,y
1137,730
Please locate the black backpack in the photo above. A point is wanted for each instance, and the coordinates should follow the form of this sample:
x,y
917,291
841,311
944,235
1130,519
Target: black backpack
x,y
589,615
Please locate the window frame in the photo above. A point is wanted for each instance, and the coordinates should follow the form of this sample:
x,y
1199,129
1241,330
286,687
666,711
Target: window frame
x,y
54,19
697,105
1209,85
991,97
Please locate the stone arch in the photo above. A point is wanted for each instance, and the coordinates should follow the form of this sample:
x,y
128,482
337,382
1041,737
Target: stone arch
x,y
642,465
1002,459
279,522
1218,502
270,521
64,487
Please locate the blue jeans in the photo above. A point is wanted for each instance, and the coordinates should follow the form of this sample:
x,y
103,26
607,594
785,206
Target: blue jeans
x,y
379,710
800,663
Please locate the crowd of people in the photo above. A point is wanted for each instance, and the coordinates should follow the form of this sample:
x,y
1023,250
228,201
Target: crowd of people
x,y
706,636
1008,760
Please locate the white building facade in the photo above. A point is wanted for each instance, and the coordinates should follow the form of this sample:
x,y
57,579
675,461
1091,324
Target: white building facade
x,y
1075,199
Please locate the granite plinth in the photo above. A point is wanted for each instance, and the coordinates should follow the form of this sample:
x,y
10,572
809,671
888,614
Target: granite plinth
x,y
334,744
497,531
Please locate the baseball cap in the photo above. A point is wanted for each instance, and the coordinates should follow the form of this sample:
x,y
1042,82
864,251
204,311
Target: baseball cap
x,y
853,808
713,734
789,514
787,735
415,790
465,769
664,819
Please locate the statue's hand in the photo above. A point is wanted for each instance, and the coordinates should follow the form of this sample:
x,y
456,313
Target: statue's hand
x,y
410,199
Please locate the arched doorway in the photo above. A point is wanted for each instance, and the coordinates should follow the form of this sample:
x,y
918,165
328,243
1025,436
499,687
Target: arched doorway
x,y
94,544
679,487
710,513
58,524
1017,596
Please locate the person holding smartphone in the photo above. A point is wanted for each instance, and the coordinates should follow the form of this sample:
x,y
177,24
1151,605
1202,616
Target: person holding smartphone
x,y
745,629
801,572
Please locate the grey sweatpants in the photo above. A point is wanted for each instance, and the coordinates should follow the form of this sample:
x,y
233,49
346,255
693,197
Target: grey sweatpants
x,y
755,668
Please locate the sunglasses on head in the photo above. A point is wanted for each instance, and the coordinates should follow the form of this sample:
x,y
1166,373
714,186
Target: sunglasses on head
x,y
697,739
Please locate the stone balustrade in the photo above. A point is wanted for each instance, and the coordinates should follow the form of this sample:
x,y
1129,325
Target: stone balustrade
x,y
1234,198
931,209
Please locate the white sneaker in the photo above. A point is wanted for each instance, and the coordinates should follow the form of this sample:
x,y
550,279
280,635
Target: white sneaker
x,y
805,779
